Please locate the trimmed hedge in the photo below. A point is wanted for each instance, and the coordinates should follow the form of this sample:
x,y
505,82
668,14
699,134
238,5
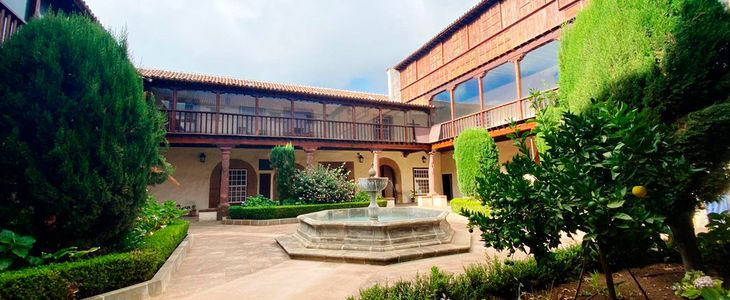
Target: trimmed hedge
x,y
468,204
96,275
290,211
474,153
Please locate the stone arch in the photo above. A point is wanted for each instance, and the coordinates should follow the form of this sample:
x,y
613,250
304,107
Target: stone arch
x,y
215,181
389,168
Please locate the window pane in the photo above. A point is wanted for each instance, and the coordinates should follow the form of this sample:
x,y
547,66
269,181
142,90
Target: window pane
x,y
539,68
366,115
394,117
308,110
420,181
163,98
274,107
238,104
417,118
442,107
195,100
336,112
466,98
500,85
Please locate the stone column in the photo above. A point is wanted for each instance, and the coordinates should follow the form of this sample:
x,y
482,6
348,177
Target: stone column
x,y
310,156
432,172
225,166
376,162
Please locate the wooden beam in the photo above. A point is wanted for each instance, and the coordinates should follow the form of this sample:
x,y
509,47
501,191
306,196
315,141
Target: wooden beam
x,y
191,139
449,144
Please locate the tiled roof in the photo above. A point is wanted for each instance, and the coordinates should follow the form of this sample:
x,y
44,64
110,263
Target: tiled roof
x,y
441,36
267,86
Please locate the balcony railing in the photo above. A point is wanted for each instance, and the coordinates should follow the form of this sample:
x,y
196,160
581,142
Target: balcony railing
x,y
228,124
493,117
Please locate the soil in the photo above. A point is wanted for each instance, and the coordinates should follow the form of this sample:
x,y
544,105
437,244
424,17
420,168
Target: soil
x,y
656,280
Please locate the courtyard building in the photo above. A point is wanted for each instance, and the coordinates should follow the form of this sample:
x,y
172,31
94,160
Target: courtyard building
x,y
477,72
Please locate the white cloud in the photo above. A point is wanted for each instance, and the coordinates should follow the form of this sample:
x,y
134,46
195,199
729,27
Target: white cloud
x,y
330,43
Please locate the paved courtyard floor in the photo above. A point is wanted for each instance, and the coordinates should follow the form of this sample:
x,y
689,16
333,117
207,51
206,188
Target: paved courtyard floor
x,y
244,262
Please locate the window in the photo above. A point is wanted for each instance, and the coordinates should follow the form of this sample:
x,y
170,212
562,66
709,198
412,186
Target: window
x,y
198,111
499,85
274,107
238,104
420,181
340,113
195,100
466,98
163,98
308,110
417,118
237,179
442,107
539,68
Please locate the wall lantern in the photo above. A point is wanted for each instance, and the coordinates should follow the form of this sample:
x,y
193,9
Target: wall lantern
x,y
201,157
360,158
423,159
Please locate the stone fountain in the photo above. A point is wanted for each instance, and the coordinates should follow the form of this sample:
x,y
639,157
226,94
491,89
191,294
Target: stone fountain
x,y
372,185
374,235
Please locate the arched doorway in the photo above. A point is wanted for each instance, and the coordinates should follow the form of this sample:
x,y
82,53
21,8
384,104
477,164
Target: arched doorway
x,y
389,169
242,180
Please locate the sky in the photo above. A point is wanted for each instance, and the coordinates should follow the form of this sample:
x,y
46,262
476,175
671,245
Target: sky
x,y
344,44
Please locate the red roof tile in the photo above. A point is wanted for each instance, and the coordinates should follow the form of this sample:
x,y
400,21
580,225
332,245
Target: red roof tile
x,y
267,86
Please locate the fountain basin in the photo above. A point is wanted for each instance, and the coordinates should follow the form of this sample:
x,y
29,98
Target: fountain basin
x,y
401,234
350,229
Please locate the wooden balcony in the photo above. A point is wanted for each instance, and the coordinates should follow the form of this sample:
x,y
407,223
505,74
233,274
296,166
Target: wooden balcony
x,y
238,125
9,23
499,116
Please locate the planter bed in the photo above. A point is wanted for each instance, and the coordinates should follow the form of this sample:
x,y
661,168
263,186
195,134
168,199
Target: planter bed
x,y
96,275
289,211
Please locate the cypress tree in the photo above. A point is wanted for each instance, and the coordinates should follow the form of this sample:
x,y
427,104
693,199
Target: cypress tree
x,y
78,139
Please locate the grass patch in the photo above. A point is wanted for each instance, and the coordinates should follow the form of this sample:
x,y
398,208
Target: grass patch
x,y
468,204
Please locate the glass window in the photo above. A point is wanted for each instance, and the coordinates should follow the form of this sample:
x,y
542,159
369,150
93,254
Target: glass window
x,y
539,68
420,181
238,104
195,100
500,85
336,112
417,118
274,107
442,107
367,115
308,110
237,184
466,98
163,97
394,117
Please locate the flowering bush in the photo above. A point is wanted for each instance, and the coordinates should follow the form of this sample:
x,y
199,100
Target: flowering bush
x,y
320,184
696,284
152,216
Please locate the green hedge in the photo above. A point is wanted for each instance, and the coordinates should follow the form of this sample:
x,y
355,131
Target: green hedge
x,y
95,275
289,211
468,204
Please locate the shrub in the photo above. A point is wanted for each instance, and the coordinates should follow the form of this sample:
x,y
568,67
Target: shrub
x,y
469,205
715,243
283,160
76,133
257,201
290,211
321,184
96,275
495,278
474,153
152,216
672,58
361,197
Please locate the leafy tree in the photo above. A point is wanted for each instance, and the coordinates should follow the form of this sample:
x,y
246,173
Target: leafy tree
x,y
672,58
77,136
474,153
283,160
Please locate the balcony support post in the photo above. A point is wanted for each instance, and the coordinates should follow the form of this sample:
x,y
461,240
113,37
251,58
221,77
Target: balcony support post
x,y
482,115
376,162
223,204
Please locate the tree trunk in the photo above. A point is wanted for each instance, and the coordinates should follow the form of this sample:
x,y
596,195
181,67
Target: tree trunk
x,y
607,272
683,234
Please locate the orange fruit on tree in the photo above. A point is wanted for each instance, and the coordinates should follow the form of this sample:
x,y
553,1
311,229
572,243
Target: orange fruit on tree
x,y
639,191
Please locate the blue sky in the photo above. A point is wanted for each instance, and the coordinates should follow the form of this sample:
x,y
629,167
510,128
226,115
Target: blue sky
x,y
328,43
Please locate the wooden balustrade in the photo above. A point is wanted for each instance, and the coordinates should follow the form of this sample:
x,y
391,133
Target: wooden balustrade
x,y
228,124
493,117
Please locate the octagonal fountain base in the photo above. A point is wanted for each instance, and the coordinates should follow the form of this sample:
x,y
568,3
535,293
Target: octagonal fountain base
x,y
400,234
